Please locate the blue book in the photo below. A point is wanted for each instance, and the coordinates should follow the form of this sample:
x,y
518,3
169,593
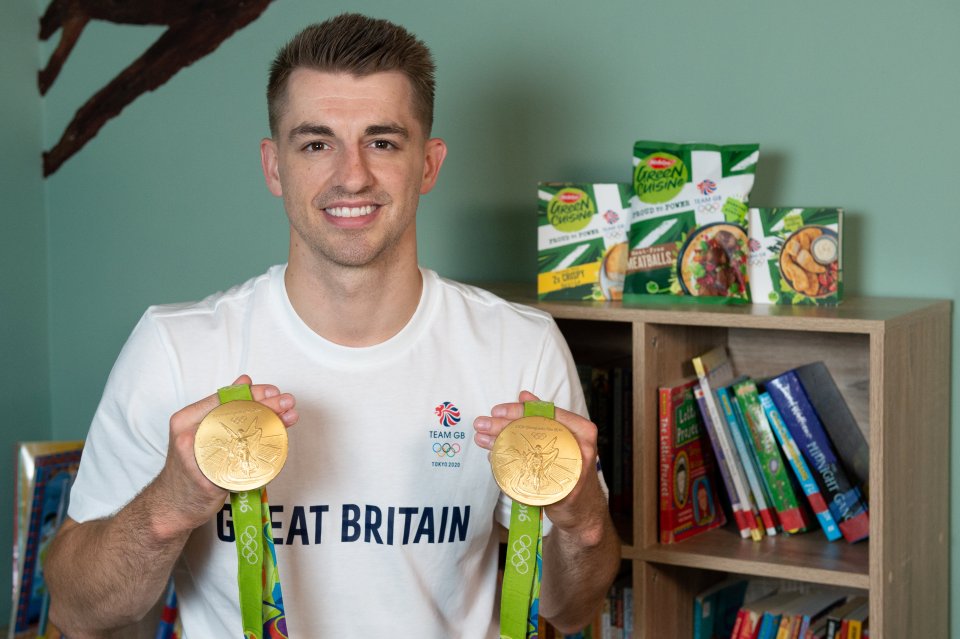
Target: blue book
x,y
800,469
845,501
748,458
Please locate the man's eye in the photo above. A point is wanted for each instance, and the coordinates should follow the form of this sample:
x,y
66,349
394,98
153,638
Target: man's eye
x,y
316,146
383,144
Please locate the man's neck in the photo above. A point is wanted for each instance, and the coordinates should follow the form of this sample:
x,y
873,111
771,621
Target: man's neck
x,y
355,307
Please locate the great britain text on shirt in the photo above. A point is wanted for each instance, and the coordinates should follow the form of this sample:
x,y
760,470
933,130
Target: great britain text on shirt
x,y
387,525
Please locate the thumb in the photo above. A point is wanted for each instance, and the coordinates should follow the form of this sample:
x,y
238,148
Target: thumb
x,y
527,396
195,412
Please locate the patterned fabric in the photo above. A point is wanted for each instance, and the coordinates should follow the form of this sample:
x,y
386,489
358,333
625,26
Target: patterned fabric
x,y
274,619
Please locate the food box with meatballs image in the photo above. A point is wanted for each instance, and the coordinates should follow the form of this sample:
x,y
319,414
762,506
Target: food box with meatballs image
x,y
582,240
796,255
688,237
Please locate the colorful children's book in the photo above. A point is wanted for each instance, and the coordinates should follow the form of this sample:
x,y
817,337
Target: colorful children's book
x,y
800,469
772,467
719,455
844,499
748,459
688,504
714,370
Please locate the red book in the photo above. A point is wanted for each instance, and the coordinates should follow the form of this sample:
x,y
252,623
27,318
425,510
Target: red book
x,y
688,492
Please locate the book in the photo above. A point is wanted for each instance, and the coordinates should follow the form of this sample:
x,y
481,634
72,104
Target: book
x,y
714,370
715,608
836,616
45,472
806,609
734,422
773,469
844,499
838,421
772,611
688,503
800,469
856,619
720,457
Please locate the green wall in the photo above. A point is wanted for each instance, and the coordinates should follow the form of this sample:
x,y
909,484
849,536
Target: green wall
x,y
853,103
24,332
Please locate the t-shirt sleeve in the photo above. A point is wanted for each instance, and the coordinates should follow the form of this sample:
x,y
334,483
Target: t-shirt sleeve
x,y
127,442
557,381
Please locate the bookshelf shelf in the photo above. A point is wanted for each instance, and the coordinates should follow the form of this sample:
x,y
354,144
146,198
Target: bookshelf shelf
x,y
891,359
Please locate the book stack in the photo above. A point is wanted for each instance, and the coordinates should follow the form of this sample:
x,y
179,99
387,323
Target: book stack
x,y
760,608
790,455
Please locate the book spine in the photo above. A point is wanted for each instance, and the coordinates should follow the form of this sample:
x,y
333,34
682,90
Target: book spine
x,y
667,522
838,421
800,469
751,518
771,463
748,460
720,452
845,501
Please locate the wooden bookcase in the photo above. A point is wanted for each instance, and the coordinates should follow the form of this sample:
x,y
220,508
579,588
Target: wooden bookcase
x,y
891,359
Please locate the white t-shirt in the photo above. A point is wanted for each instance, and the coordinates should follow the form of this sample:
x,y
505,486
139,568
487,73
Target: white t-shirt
x,y
383,515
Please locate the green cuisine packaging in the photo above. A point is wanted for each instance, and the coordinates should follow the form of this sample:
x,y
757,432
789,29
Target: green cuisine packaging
x,y
687,234
796,255
582,240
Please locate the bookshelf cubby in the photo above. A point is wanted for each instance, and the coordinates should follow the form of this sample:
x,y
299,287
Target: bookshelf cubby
x,y
891,360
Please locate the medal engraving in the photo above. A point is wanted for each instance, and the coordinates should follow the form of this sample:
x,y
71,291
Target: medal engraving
x,y
241,445
536,461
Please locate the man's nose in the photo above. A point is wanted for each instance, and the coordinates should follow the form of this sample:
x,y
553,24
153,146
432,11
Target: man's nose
x,y
353,170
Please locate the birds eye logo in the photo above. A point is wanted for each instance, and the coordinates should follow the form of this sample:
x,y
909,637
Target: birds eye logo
x,y
448,413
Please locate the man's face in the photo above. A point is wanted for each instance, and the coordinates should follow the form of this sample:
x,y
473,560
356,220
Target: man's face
x,y
350,160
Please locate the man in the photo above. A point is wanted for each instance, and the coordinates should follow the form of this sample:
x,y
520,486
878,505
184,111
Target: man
x,y
383,516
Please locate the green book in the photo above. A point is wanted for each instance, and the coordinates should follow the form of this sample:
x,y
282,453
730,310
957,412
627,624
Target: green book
x,y
773,468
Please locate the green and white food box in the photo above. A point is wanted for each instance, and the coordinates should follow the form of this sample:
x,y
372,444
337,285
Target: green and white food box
x,y
582,240
796,255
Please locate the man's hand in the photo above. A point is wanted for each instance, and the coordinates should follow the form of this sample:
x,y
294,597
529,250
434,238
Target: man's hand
x,y
181,480
585,508
581,555
106,573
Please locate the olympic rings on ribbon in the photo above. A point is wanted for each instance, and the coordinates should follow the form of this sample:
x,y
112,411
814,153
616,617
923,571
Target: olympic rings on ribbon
x,y
520,559
251,545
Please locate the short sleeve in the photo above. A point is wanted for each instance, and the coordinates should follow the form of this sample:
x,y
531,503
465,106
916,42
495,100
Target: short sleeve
x,y
126,445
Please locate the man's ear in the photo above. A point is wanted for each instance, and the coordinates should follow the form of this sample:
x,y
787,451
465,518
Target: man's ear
x,y
271,168
436,151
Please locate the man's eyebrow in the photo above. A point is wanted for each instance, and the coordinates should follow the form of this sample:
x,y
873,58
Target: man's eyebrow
x,y
307,129
388,129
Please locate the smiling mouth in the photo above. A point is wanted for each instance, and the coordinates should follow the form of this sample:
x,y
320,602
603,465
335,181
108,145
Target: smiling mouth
x,y
351,211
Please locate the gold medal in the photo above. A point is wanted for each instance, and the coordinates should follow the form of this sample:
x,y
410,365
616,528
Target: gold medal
x,y
241,445
536,461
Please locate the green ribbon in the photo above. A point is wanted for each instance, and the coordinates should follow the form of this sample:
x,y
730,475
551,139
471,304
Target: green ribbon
x,y
258,577
520,595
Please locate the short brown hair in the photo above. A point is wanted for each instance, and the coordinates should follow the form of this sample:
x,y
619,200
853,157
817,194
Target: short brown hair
x,y
359,45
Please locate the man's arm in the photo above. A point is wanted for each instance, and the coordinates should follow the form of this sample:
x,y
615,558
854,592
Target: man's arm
x,y
581,554
106,573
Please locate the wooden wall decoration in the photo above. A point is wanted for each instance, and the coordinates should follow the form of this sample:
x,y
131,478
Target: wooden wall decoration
x,y
195,29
